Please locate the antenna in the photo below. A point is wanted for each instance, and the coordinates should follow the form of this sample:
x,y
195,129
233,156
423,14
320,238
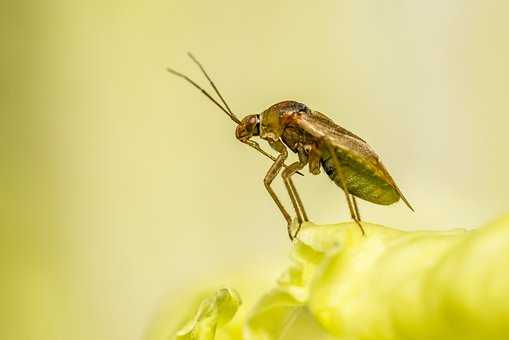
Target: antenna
x,y
178,74
226,110
210,81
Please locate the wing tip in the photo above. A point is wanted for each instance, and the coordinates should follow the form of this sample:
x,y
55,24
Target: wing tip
x,y
406,201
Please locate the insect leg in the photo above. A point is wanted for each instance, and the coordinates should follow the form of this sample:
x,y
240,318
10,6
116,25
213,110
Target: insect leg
x,y
292,192
314,160
339,171
271,174
257,147
297,197
354,200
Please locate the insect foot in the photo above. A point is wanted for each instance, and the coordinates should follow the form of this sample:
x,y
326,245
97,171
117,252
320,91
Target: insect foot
x,y
295,225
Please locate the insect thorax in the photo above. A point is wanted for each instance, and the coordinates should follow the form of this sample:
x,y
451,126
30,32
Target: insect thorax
x,y
273,120
294,138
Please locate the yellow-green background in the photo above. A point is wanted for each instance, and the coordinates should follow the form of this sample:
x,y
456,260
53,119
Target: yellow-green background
x,y
122,187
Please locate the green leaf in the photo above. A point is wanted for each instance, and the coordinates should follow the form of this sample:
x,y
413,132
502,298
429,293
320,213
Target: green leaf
x,y
411,285
213,312
386,285
280,316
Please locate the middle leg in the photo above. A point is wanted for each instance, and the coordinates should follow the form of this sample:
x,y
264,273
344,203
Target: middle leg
x,y
292,192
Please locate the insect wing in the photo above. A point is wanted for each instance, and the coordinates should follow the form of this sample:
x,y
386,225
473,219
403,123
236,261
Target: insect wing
x,y
325,129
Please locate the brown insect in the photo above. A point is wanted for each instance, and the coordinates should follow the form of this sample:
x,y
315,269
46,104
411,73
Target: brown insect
x,y
319,142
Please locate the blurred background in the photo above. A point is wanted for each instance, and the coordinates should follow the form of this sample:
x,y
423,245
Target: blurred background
x,y
122,186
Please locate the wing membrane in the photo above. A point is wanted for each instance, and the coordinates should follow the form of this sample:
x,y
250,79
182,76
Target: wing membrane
x,y
323,128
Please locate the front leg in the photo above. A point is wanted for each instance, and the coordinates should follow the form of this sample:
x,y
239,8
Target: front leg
x,y
257,147
272,173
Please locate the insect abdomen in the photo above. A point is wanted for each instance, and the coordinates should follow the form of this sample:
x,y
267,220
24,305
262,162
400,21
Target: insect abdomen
x,y
362,180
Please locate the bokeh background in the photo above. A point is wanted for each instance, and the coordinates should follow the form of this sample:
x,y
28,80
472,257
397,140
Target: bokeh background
x,y
122,186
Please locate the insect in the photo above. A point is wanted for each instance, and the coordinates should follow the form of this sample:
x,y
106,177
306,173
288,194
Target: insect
x,y
347,159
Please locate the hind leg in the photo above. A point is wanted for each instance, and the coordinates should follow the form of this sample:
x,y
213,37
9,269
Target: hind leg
x,y
352,205
356,208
